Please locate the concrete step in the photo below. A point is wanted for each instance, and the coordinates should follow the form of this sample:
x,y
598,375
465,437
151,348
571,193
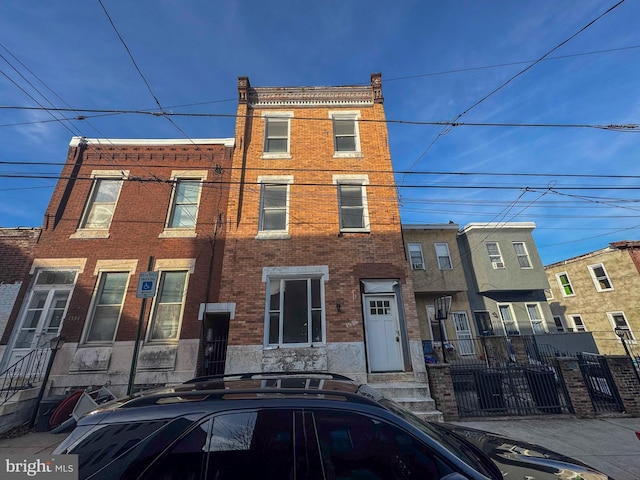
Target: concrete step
x,y
402,389
417,405
391,377
406,391
430,416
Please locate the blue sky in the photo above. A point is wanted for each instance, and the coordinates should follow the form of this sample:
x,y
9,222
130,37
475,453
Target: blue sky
x,y
437,60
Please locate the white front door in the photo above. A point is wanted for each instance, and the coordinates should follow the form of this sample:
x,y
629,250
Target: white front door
x,y
384,347
463,332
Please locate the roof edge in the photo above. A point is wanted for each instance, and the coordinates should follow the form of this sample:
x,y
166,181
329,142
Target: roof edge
x,y
227,142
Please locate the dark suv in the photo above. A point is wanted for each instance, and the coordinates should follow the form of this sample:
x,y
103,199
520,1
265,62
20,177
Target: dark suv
x,y
291,426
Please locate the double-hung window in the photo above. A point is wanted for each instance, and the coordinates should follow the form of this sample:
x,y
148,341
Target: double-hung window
x,y
508,320
619,323
352,202
107,306
578,324
522,254
415,256
495,257
345,133
565,284
274,206
444,258
535,317
276,134
600,278
101,204
168,307
184,210
295,305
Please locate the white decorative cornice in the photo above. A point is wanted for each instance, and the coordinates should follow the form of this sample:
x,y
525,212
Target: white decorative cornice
x,y
310,96
151,142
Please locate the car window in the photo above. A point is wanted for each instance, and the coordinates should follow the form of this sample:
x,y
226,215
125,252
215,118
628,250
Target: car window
x,y
353,445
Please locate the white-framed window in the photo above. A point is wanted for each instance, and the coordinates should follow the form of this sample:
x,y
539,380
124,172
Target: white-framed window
x,y
101,203
444,258
168,306
295,312
548,293
273,221
618,320
277,134
509,322
346,138
106,307
578,324
557,319
495,257
415,256
352,202
184,207
45,308
535,317
522,254
565,284
600,278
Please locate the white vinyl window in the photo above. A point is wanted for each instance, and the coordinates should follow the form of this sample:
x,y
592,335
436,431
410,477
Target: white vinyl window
x,y
508,320
619,321
352,201
273,221
277,127
184,207
536,319
107,307
522,254
168,306
565,284
600,278
295,311
101,204
578,324
495,257
444,258
346,140
415,256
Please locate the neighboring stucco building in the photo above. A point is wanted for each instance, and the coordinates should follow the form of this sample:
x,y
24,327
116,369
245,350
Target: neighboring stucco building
x,y
16,255
597,292
314,265
122,207
506,279
437,271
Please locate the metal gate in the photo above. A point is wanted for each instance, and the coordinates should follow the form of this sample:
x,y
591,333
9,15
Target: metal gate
x,y
508,390
599,382
215,355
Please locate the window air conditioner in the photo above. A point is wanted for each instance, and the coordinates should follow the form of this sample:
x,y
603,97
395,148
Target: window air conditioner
x,y
497,264
418,266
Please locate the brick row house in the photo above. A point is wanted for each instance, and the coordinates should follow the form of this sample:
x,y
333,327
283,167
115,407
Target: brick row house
x,y
279,249
123,207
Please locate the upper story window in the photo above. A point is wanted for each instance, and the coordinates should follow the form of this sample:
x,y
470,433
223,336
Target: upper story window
x,y
274,207
101,204
578,324
352,201
415,256
168,307
522,254
619,321
600,277
295,305
565,284
345,133
277,134
107,307
495,257
444,258
185,202
536,319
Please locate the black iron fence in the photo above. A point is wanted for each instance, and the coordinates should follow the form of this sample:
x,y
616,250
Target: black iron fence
x,y
24,373
600,384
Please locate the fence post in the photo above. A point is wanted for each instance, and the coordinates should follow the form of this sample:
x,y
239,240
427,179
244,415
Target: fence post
x,y
626,380
441,387
579,397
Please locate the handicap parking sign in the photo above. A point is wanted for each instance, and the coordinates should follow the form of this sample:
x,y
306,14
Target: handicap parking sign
x,y
147,285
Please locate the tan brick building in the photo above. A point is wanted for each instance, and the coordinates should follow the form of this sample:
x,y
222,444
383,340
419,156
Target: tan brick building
x,y
598,292
123,207
314,272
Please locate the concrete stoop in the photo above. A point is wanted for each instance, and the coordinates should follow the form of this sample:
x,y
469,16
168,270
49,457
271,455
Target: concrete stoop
x,y
405,390
18,409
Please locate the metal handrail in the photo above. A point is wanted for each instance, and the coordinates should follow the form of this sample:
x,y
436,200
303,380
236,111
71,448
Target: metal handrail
x,y
23,374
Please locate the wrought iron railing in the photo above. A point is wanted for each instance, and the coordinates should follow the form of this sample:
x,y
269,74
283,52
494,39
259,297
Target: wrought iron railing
x,y
24,373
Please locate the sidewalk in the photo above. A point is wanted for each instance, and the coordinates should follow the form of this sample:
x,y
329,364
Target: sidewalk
x,y
606,444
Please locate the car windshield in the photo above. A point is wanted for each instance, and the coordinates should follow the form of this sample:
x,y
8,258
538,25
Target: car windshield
x,y
456,445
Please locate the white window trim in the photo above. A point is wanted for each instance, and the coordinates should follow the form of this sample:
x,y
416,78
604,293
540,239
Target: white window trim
x,y
189,232
275,180
293,273
513,318
83,232
542,320
548,292
496,265
446,244
170,265
613,324
107,266
346,115
526,254
562,292
595,279
420,265
362,180
573,322
279,115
